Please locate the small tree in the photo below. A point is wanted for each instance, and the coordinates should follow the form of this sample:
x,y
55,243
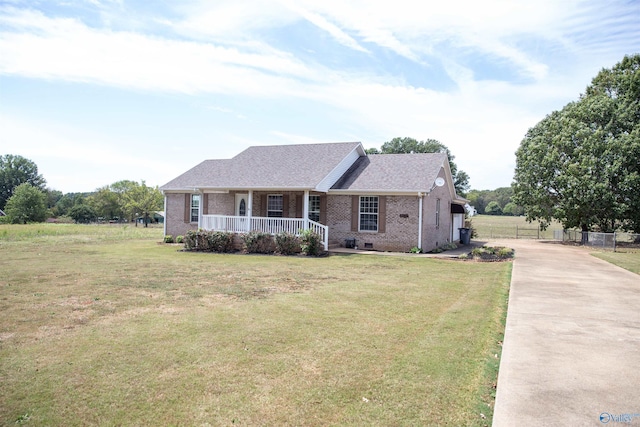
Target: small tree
x,y
410,145
493,208
143,200
16,170
27,204
82,213
105,203
512,209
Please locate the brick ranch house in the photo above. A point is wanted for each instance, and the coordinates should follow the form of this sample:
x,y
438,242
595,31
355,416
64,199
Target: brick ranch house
x,y
387,202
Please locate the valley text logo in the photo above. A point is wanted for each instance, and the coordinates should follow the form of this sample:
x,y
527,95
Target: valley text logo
x,y
606,418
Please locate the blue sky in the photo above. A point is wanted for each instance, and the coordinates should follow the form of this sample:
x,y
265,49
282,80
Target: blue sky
x,y
96,91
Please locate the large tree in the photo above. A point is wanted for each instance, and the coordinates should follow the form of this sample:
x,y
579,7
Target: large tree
x,y
580,165
410,145
16,170
27,204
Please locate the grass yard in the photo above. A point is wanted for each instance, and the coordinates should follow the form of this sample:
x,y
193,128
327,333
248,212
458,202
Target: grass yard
x,y
627,260
494,226
104,325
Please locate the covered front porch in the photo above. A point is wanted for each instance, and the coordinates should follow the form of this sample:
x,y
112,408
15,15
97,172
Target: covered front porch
x,y
278,220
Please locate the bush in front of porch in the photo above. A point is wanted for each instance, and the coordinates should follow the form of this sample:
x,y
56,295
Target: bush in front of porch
x,y
210,241
287,244
257,242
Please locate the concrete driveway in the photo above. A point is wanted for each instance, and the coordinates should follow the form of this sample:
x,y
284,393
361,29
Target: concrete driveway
x,y
571,353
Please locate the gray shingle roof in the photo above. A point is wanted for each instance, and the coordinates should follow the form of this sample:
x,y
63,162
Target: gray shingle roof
x,y
393,172
272,166
305,166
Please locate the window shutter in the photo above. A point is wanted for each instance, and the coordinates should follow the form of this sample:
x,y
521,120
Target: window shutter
x,y
205,204
263,205
285,206
299,206
187,207
323,209
355,208
382,214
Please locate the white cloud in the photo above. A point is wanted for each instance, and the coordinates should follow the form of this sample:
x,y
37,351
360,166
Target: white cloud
x,y
54,48
322,23
547,53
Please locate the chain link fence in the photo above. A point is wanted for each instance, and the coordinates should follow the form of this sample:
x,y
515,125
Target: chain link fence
x,y
620,242
511,232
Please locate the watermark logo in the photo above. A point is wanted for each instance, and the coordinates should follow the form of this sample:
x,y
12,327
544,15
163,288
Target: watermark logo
x,y
606,418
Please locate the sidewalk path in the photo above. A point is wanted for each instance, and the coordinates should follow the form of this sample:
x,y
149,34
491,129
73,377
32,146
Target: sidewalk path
x,y
571,351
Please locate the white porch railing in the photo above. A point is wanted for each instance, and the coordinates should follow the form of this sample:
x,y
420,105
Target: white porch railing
x,y
243,224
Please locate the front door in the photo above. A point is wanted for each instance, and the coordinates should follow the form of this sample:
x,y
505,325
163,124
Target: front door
x,y
242,204
242,208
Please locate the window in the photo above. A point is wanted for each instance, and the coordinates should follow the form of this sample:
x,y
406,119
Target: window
x,y
368,213
314,208
274,206
195,207
437,213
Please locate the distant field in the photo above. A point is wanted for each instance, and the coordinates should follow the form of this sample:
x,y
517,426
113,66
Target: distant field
x,y
491,227
105,325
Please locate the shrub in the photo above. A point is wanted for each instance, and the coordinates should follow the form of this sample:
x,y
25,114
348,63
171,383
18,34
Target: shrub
x,y
257,242
202,241
211,241
179,239
220,241
310,243
505,252
168,238
479,252
287,243
492,252
190,240
415,250
468,223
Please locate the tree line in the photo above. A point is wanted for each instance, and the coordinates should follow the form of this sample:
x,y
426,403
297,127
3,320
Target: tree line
x,y
579,166
25,198
494,202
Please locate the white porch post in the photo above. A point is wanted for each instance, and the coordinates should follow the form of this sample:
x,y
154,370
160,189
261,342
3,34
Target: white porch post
x,y
305,210
249,210
200,199
420,195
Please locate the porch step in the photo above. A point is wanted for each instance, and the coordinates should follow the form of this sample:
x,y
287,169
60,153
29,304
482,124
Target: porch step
x,y
334,245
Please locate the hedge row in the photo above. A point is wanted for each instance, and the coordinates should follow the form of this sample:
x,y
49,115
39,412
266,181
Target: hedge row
x,y
308,243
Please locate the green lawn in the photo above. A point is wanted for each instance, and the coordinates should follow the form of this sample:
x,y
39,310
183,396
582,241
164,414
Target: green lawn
x,y
493,226
626,260
105,326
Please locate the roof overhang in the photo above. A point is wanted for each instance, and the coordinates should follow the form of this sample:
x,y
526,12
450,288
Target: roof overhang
x,y
378,192
213,190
